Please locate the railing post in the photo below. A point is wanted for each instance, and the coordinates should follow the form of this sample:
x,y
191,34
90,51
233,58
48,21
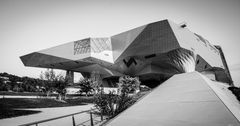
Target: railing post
x,y
36,124
73,120
101,115
91,119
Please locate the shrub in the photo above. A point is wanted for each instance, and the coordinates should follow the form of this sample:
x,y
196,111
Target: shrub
x,y
85,86
128,84
105,103
123,102
111,104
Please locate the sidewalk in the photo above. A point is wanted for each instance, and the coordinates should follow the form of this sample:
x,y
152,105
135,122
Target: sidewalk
x,y
51,113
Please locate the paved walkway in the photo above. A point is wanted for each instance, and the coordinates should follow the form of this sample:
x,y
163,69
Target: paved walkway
x,y
81,119
188,99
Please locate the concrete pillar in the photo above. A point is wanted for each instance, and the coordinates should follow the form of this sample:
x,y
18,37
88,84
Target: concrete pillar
x,y
70,77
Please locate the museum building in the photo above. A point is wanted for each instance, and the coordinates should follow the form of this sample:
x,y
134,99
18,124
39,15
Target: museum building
x,y
153,52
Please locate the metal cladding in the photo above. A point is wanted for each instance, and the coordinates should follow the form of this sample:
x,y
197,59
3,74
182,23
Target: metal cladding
x,y
183,59
161,48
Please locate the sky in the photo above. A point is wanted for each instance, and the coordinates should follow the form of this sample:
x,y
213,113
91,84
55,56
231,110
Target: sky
x,y
27,26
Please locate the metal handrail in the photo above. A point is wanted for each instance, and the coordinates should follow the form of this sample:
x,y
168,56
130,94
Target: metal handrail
x,y
46,120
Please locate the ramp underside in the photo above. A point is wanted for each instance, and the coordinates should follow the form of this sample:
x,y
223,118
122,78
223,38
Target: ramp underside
x,y
183,100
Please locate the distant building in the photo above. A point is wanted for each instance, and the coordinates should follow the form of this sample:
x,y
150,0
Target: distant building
x,y
154,52
73,89
5,79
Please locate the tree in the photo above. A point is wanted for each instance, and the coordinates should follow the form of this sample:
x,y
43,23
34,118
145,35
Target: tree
x,y
29,84
53,82
85,86
60,84
4,86
1,81
20,83
48,76
95,81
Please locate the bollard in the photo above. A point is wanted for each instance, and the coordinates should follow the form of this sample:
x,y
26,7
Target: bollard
x,y
91,119
73,120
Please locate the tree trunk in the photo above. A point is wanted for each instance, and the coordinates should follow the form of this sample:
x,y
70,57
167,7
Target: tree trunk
x,y
48,92
59,97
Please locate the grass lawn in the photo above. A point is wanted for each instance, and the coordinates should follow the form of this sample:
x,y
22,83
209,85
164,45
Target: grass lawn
x,y
7,113
24,93
9,106
7,93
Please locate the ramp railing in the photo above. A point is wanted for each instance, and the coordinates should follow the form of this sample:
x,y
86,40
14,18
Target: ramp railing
x,y
91,112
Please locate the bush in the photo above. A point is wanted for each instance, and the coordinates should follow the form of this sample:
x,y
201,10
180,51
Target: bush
x,y
123,102
112,104
128,84
85,86
105,103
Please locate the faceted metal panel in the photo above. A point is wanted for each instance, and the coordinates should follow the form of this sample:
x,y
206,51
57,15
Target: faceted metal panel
x,y
37,59
71,65
100,44
201,64
104,71
157,37
197,44
183,59
72,50
101,48
82,46
121,41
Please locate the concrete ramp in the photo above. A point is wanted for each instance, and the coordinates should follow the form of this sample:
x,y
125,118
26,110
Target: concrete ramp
x,y
188,99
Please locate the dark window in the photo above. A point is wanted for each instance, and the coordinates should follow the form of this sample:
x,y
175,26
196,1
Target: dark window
x,y
129,62
197,61
150,56
205,67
